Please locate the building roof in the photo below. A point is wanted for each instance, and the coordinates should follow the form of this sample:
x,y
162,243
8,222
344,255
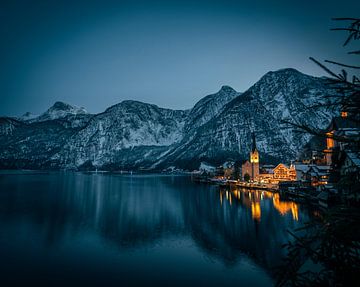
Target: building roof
x,y
323,167
315,170
268,166
282,164
354,157
267,171
323,196
340,123
302,167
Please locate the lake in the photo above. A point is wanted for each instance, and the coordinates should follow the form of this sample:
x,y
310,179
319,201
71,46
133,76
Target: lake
x,y
68,228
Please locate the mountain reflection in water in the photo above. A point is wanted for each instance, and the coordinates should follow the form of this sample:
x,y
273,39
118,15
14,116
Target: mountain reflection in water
x,y
63,227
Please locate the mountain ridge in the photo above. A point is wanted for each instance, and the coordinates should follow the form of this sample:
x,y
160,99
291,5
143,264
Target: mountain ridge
x,y
137,135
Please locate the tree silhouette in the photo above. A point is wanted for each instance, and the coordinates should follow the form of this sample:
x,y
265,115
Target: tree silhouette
x,y
326,252
347,97
246,177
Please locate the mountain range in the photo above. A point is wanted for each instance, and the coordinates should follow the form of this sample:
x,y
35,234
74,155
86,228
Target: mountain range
x,y
135,135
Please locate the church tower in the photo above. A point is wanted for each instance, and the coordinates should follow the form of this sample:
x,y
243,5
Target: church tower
x,y
254,159
250,169
254,154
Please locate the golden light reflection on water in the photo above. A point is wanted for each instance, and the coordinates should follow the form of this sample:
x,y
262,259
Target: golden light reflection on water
x,y
285,206
252,200
256,210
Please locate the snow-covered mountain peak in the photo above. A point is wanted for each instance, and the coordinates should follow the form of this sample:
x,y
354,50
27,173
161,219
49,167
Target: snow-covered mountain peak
x,y
28,116
133,134
61,106
288,77
226,89
60,110
129,105
285,71
208,107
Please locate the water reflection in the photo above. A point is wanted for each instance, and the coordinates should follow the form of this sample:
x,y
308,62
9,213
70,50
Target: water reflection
x,y
284,207
256,210
58,210
252,198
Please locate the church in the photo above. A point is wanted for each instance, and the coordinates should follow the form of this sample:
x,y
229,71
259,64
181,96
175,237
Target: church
x,y
250,170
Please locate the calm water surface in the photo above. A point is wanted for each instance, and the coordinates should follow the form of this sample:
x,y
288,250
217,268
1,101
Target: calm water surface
x,y
64,228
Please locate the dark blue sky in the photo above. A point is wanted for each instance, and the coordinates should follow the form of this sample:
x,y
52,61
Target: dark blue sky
x,y
170,53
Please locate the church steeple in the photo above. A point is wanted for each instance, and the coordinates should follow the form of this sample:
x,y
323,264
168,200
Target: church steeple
x,y
254,154
253,143
251,170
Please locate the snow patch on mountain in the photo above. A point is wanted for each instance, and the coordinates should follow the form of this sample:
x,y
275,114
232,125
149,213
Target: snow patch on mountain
x,y
121,127
28,116
138,135
208,107
206,167
59,110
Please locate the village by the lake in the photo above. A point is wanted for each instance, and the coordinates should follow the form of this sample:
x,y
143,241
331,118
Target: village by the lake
x,y
322,180
179,143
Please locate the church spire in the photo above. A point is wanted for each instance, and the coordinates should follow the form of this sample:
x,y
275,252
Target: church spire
x,y
254,154
253,143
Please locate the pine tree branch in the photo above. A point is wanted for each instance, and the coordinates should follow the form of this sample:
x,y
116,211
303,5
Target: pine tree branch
x,y
345,19
354,52
345,29
302,128
324,68
342,65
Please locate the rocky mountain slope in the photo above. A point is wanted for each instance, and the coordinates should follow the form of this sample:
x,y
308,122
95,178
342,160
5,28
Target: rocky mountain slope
x,y
282,95
208,107
112,136
135,135
31,145
57,111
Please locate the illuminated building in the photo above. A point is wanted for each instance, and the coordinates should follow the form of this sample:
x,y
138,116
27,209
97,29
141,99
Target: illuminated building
x,y
330,144
343,127
284,173
317,174
251,168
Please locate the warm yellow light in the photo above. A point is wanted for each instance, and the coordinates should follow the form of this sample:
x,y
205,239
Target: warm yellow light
x,y
283,207
344,114
256,210
254,157
295,211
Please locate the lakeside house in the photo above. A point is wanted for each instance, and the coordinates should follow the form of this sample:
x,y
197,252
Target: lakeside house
x,y
328,174
342,154
250,169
